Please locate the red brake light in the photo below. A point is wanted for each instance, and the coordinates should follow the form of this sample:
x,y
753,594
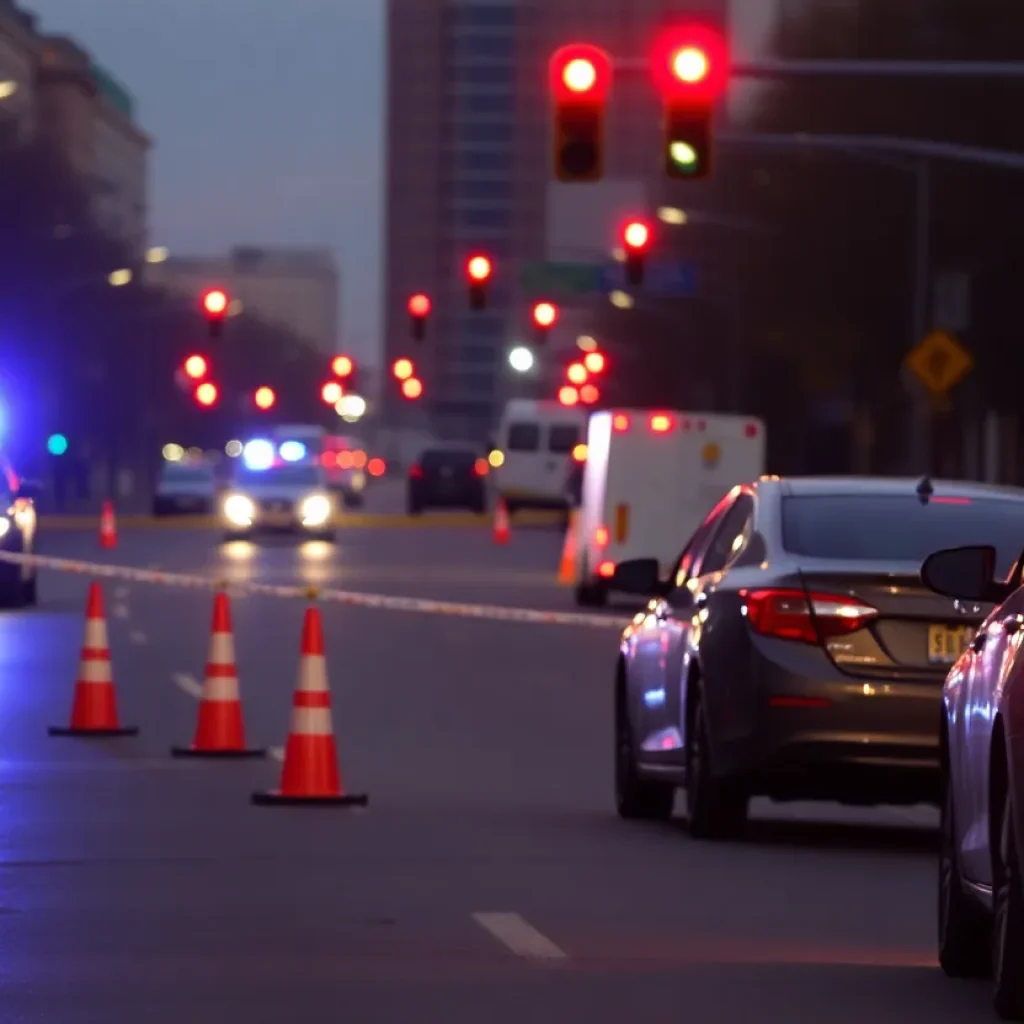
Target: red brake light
x,y
328,460
345,460
606,570
601,536
480,467
750,430
662,423
376,467
579,453
950,501
620,423
568,395
809,618
416,471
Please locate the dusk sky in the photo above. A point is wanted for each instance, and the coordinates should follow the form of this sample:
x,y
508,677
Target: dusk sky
x,y
267,119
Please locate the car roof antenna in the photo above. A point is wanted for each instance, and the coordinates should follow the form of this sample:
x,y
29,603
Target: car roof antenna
x,y
925,490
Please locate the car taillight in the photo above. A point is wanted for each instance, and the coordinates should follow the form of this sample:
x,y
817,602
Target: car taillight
x,y
480,467
809,618
606,570
662,423
620,423
602,536
415,472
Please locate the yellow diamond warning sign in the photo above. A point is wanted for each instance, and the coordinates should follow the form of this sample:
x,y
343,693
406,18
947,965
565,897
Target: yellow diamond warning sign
x,y
939,362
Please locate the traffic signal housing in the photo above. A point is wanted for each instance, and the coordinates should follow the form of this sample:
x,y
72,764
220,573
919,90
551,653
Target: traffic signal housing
x,y
402,369
215,302
580,78
196,367
545,316
412,388
478,271
419,310
690,65
636,239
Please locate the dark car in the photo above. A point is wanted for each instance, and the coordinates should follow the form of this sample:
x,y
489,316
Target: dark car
x,y
18,529
981,859
794,651
454,477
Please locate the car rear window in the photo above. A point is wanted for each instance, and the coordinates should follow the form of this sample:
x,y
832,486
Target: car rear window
x,y
523,437
898,528
459,460
563,438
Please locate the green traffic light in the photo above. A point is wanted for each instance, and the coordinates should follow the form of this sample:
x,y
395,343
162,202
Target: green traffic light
x,y
57,444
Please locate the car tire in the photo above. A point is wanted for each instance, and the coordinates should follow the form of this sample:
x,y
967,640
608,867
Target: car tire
x,y
1008,927
352,500
636,799
964,930
716,808
591,595
30,591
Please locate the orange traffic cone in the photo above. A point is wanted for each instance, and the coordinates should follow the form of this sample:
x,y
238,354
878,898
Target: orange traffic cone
x,y
220,730
310,774
108,526
567,565
501,523
94,711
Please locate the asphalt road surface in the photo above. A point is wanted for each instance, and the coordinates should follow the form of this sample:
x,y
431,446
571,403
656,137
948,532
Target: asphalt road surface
x,y
489,879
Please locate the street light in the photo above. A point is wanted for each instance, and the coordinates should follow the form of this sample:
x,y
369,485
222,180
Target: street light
x,y
8,89
521,359
119,278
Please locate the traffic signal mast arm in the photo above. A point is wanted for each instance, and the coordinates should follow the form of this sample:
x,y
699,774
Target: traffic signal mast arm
x,y
853,68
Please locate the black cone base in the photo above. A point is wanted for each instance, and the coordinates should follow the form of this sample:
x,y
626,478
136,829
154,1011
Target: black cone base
x,y
274,797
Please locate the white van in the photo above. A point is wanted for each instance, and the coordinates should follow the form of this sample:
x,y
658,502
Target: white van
x,y
536,440
651,478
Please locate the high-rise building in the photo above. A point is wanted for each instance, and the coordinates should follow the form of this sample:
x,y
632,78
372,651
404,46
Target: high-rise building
x,y
296,289
468,168
89,117
17,73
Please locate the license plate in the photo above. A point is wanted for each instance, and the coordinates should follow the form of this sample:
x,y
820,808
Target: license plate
x,y
947,643
277,518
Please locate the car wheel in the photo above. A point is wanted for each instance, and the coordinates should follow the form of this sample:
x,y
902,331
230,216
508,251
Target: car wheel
x,y
352,501
30,591
636,798
1008,929
964,929
591,595
717,808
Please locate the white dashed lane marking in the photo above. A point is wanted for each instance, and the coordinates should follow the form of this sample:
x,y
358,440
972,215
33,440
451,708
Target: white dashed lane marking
x,y
120,611
137,637
519,936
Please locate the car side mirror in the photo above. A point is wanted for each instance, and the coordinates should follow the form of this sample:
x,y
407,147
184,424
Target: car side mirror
x,y
639,576
31,490
965,573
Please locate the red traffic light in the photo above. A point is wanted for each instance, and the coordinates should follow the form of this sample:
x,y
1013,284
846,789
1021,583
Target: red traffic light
x,y
595,362
576,373
215,302
545,314
568,395
206,394
265,398
580,73
402,369
691,62
589,394
196,367
412,387
419,305
636,235
342,366
478,269
332,392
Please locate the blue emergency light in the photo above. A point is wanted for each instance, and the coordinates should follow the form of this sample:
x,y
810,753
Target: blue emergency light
x,y
258,455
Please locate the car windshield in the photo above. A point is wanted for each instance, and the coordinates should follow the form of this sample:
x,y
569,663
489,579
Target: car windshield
x,y
188,474
283,476
898,528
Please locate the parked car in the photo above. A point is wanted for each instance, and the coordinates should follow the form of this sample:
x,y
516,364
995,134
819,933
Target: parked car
x,y
448,477
981,888
18,534
185,487
793,651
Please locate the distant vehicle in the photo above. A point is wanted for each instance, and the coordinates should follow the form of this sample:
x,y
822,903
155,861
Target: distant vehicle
x,y
448,477
793,651
18,530
281,498
535,440
650,478
185,487
344,466
981,859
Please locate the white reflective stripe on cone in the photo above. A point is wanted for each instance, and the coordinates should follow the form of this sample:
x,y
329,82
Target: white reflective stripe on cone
x,y
220,688
311,722
96,634
313,674
93,670
222,649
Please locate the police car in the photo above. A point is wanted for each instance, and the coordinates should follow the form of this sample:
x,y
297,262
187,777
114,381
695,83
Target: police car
x,y
18,527
278,490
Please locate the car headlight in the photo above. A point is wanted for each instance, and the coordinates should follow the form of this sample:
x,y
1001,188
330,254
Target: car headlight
x,y
239,510
315,510
5,526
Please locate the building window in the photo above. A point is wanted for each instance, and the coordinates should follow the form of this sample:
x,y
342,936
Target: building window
x,y
468,16
484,103
481,191
477,355
485,218
484,74
491,131
475,47
481,160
